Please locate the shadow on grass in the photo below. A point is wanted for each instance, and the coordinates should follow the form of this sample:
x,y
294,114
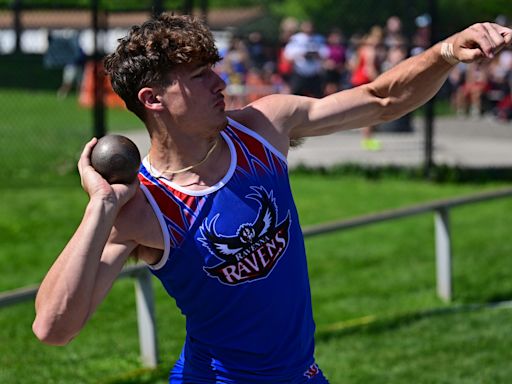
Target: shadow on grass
x,y
378,324
367,324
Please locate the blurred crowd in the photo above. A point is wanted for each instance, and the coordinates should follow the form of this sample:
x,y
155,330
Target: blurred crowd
x,y
304,62
479,89
309,63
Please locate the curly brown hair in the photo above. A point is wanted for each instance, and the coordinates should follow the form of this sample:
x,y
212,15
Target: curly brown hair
x,y
151,50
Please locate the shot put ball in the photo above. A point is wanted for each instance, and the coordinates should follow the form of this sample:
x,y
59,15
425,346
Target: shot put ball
x,y
116,158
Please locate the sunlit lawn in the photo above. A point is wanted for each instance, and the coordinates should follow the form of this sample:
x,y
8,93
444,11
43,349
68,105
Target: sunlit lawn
x,y
370,287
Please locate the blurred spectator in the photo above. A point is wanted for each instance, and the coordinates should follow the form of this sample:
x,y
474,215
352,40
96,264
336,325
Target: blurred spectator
x,y
364,63
306,63
422,37
393,35
353,44
235,65
64,51
72,74
395,54
469,96
257,50
237,59
334,64
456,80
288,27
263,82
504,108
365,68
499,71
499,95
307,50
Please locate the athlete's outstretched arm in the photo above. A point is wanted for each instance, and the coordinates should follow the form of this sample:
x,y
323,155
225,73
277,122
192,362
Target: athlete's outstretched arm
x,y
86,268
393,94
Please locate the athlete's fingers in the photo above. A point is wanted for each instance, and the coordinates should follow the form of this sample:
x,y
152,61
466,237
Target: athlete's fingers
x,y
495,37
85,157
500,36
484,41
474,43
506,33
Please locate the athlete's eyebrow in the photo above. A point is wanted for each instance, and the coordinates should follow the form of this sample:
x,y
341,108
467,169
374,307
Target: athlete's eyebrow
x,y
199,69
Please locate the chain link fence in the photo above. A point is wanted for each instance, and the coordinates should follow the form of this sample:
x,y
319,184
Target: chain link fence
x,y
47,87
48,94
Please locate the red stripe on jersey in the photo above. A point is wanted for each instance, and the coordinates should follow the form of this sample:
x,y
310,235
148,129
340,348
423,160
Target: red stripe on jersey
x,y
259,168
242,161
167,205
176,235
192,202
255,147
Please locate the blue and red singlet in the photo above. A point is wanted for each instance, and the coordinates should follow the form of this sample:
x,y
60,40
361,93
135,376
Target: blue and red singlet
x,y
234,261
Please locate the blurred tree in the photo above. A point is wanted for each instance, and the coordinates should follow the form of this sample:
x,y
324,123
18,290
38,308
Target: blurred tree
x,y
350,15
353,16
457,14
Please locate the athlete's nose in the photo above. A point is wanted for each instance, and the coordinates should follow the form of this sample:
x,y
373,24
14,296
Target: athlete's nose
x,y
220,84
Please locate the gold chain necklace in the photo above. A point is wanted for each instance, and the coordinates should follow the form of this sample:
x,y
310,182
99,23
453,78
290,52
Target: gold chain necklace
x,y
161,175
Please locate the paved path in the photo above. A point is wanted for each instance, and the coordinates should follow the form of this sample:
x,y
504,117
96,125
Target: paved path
x,y
458,141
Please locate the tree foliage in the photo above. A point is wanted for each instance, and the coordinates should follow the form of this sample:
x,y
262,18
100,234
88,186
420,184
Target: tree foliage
x,y
349,15
353,16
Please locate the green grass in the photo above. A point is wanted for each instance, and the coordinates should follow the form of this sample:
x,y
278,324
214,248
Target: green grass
x,y
41,136
373,289
465,347
378,317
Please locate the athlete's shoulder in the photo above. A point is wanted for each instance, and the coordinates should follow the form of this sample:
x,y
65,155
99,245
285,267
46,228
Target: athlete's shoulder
x,y
262,117
137,222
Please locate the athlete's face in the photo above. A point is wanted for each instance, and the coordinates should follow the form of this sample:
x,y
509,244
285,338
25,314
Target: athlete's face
x,y
194,97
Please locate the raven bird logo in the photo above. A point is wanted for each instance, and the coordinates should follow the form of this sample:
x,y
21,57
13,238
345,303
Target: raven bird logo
x,y
255,248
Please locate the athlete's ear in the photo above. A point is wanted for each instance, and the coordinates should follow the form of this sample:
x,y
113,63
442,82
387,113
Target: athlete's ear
x,y
150,99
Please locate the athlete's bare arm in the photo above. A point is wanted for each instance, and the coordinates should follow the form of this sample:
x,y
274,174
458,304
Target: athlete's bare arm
x,y
84,271
393,94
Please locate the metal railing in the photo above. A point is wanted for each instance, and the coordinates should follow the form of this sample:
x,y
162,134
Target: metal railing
x,y
144,289
144,301
442,229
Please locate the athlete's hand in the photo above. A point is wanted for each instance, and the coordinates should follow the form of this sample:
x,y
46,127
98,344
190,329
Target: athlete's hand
x,y
480,41
97,187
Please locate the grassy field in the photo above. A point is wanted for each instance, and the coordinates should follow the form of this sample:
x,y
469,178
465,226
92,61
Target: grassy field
x,y
377,314
42,135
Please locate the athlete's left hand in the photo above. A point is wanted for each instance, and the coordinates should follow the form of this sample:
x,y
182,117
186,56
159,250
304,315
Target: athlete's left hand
x,y
480,41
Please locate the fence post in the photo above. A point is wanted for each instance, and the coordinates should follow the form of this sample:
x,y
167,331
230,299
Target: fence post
x,y
98,27
146,319
443,254
17,7
158,7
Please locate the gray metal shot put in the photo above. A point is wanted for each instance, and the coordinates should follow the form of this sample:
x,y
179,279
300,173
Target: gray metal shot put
x,y
116,158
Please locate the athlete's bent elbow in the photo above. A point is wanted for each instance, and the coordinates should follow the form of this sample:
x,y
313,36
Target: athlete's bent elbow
x,y
49,336
386,111
394,108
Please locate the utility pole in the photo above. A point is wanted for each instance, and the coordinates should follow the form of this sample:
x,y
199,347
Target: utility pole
x,y
188,7
99,91
430,106
16,8
203,5
158,7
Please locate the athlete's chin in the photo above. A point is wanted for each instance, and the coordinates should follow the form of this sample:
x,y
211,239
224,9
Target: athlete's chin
x,y
223,122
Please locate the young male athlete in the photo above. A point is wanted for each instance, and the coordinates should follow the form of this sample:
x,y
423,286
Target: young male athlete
x,y
211,212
